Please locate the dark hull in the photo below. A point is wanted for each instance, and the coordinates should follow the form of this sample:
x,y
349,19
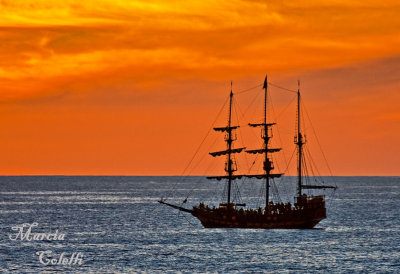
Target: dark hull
x,y
301,223
307,213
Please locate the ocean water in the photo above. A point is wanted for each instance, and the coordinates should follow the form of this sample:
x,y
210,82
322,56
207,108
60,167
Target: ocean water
x,y
116,226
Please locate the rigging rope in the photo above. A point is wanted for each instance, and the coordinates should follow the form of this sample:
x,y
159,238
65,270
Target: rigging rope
x,y
316,137
235,107
198,148
246,90
274,85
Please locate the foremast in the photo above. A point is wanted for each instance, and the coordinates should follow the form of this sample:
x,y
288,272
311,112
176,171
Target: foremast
x,y
266,150
230,163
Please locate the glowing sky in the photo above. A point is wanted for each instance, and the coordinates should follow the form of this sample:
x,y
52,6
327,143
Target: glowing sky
x,y
131,87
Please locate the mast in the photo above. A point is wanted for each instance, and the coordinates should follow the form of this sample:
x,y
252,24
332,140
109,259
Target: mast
x,y
266,150
298,140
230,166
229,169
267,164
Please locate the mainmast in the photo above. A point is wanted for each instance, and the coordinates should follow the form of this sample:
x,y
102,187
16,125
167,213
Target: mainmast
x,y
298,140
229,168
266,150
267,163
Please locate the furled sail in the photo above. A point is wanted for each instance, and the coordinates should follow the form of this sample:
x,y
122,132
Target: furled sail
x,y
261,124
225,128
219,178
263,150
225,152
262,176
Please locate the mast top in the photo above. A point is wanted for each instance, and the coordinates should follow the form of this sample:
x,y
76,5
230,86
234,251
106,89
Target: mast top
x,y
298,85
265,82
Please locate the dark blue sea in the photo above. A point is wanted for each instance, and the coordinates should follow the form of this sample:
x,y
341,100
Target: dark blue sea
x,y
115,225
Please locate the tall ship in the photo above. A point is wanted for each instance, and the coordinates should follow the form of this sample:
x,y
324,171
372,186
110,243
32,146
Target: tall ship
x,y
306,210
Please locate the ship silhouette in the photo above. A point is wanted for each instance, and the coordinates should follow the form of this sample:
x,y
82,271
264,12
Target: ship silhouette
x,y
305,212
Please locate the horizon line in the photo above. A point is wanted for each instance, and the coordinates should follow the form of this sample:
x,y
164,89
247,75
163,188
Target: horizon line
x,y
149,175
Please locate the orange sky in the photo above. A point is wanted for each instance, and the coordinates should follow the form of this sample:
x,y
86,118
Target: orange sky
x,y
131,87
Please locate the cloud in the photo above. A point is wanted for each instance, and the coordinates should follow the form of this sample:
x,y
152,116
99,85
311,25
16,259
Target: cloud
x,y
153,56
236,36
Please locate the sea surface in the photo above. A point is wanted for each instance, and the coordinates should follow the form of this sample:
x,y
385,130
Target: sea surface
x,y
116,225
